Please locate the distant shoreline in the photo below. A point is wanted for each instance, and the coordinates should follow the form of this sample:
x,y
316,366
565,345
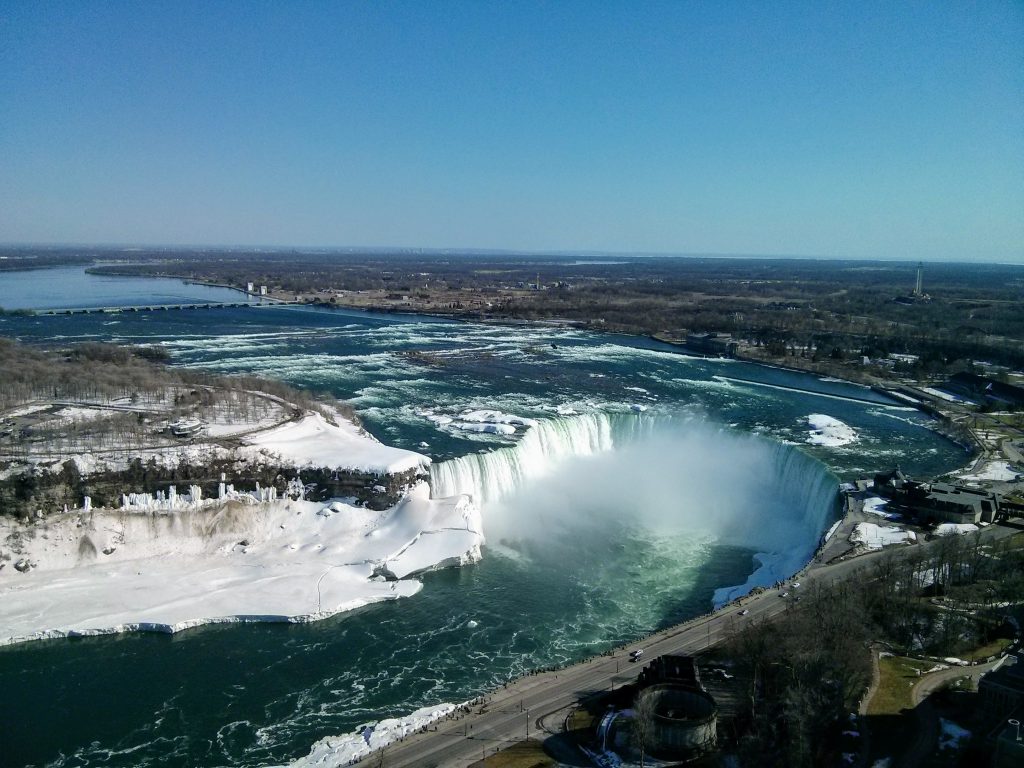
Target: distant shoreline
x,y
882,387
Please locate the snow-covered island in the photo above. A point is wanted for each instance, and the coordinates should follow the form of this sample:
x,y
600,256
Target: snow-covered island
x,y
829,431
294,516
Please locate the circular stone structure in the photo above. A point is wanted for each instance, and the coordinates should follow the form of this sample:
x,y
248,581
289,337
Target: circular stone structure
x,y
685,720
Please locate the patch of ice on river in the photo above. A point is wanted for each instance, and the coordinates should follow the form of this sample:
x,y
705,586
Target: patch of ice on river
x,y
828,431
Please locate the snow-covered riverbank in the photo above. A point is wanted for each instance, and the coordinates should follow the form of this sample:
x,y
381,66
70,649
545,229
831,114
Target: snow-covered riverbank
x,y
109,571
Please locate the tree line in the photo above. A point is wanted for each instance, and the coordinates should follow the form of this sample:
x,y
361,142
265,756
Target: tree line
x,y
810,668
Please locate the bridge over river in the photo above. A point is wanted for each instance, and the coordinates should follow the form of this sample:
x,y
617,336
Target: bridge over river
x,y
162,307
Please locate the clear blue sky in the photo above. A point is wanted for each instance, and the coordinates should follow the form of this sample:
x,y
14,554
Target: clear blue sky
x,y
888,130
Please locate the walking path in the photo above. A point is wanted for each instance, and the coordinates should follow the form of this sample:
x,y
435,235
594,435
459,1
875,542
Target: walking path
x,y
926,734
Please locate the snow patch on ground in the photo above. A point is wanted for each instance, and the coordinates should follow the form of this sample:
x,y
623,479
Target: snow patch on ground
x,y
79,414
955,529
876,505
235,427
952,734
313,441
25,410
993,470
828,431
103,571
873,536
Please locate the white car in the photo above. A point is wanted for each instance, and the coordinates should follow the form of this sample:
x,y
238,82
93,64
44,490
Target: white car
x,y
744,612
634,655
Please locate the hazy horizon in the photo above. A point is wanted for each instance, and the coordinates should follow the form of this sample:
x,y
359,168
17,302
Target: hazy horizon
x,y
847,131
469,251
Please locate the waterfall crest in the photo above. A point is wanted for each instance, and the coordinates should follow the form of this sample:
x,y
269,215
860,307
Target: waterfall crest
x,y
803,484
491,475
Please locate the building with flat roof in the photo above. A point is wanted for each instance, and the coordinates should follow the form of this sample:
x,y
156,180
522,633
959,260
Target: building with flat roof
x,y
681,670
938,502
720,344
1008,749
1002,689
983,388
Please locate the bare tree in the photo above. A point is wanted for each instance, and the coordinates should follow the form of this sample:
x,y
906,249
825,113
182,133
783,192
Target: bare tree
x,y
643,722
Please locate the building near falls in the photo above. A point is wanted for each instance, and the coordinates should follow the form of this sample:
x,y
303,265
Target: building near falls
x,y
938,502
683,715
718,344
984,389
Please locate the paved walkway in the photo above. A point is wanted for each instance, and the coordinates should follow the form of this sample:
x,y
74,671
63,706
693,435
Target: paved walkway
x,y
925,736
862,710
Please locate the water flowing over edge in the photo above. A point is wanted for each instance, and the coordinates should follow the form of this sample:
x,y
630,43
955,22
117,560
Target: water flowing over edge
x,y
799,480
490,475
801,483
